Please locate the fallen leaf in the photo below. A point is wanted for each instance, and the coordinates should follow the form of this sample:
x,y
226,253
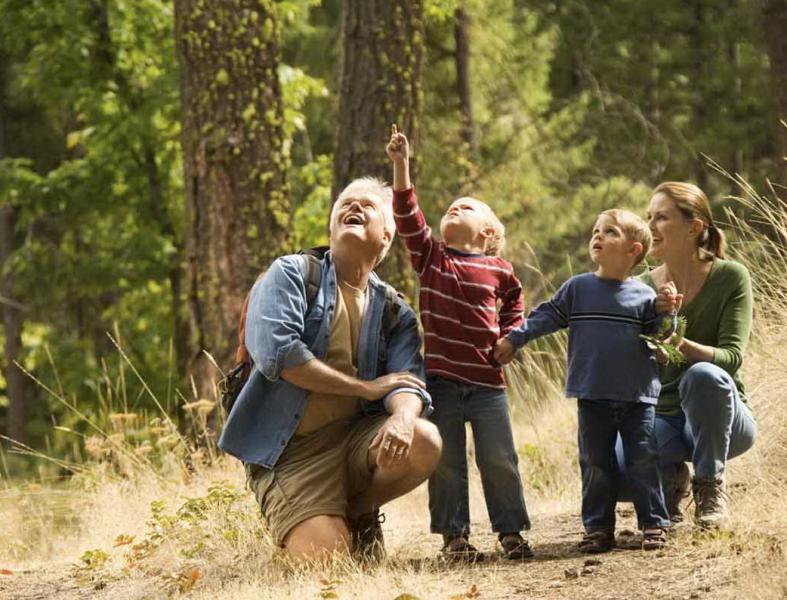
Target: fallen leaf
x,y
6,572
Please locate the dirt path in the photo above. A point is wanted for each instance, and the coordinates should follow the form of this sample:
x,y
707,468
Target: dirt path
x,y
693,566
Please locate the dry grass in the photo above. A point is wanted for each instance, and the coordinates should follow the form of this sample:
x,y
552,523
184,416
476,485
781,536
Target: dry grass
x,y
195,531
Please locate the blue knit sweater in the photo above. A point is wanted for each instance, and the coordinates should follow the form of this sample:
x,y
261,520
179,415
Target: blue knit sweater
x,y
607,360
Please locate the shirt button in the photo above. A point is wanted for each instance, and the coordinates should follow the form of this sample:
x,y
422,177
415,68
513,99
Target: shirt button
x,y
283,443
297,415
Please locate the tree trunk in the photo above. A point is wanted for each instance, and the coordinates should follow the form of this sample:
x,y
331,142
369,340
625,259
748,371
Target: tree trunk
x,y
237,204
382,60
775,26
700,67
11,311
462,61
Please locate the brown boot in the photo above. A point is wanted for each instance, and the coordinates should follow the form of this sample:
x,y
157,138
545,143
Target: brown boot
x,y
675,491
710,502
367,537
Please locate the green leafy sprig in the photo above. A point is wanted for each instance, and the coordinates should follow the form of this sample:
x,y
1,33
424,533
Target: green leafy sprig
x,y
668,348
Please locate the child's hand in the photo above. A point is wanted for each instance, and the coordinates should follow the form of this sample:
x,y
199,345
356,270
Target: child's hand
x,y
668,300
398,149
504,351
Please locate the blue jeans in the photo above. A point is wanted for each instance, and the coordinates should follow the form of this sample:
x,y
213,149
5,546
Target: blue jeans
x,y
715,425
486,409
600,422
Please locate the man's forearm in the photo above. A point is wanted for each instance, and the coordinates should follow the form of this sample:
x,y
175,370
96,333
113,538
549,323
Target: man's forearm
x,y
405,402
316,376
401,175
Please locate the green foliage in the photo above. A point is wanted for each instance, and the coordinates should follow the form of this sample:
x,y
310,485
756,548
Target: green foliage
x,y
577,107
666,345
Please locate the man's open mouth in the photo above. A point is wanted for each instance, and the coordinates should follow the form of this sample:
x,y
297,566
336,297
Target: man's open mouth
x,y
353,219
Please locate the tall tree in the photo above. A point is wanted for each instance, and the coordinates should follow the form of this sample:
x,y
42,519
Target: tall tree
x,y
382,59
11,310
463,89
775,25
237,204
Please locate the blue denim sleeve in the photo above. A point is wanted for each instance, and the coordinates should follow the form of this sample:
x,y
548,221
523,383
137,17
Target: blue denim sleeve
x,y
275,318
404,354
547,317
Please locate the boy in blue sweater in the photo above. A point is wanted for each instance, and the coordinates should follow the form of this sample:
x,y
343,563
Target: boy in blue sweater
x,y
612,373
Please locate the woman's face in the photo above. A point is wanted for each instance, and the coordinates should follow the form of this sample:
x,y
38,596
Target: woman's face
x,y
672,232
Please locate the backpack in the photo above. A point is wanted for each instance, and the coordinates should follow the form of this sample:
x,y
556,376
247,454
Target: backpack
x,y
232,383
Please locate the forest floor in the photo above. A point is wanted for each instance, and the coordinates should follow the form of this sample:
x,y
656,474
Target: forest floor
x,y
694,565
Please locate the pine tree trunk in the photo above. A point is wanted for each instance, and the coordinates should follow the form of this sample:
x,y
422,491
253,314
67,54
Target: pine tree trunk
x,y
237,204
382,61
463,90
11,311
775,27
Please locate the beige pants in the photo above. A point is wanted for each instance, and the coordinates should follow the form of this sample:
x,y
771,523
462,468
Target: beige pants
x,y
316,474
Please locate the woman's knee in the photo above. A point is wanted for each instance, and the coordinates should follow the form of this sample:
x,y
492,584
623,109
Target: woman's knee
x,y
704,383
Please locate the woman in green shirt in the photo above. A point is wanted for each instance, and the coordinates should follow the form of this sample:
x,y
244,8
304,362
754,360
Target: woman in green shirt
x,y
702,414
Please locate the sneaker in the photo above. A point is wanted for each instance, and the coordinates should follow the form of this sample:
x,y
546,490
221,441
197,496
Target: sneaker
x,y
710,502
515,547
456,548
675,491
366,533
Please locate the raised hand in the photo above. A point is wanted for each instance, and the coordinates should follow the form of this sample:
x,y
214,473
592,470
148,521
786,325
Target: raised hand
x,y
398,148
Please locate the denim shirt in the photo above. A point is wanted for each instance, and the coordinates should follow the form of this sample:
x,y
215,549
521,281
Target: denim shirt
x,y
281,335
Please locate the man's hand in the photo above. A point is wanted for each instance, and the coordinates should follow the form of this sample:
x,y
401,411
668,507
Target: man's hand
x,y
504,351
394,439
668,300
377,388
398,149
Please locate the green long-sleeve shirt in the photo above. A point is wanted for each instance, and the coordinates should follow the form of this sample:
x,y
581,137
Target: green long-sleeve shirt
x,y
720,315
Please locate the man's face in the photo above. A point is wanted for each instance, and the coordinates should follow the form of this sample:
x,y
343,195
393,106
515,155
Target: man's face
x,y
464,220
359,218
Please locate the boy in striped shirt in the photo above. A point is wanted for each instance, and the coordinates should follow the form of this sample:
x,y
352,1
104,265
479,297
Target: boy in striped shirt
x,y
462,281
612,373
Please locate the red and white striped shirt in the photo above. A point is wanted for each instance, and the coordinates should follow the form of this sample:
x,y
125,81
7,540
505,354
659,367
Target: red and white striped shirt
x,y
459,300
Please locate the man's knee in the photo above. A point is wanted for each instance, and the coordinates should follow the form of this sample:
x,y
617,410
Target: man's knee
x,y
426,448
318,538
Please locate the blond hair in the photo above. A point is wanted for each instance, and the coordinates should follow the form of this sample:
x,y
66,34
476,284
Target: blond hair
x,y
692,202
634,228
497,242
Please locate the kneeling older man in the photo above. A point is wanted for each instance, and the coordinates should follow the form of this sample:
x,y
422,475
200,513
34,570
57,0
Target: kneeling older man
x,y
330,423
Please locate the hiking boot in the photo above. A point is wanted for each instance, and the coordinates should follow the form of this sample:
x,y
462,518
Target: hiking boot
x,y
366,533
710,502
515,547
456,548
675,491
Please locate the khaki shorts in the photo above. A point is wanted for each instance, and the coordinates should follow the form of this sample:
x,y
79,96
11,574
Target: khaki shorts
x,y
316,474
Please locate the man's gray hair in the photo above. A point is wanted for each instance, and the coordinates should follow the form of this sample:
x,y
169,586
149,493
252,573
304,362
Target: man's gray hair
x,y
364,186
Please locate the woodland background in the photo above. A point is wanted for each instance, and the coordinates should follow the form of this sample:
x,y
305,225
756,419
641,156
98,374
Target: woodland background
x,y
155,156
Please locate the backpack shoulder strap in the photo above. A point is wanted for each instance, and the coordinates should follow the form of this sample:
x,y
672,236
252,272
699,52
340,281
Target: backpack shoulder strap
x,y
392,314
314,259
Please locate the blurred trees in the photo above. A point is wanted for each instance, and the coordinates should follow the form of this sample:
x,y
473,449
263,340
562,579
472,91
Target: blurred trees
x,y
141,199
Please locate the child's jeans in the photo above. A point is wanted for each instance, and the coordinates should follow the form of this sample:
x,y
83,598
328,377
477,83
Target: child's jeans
x,y
600,421
486,409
